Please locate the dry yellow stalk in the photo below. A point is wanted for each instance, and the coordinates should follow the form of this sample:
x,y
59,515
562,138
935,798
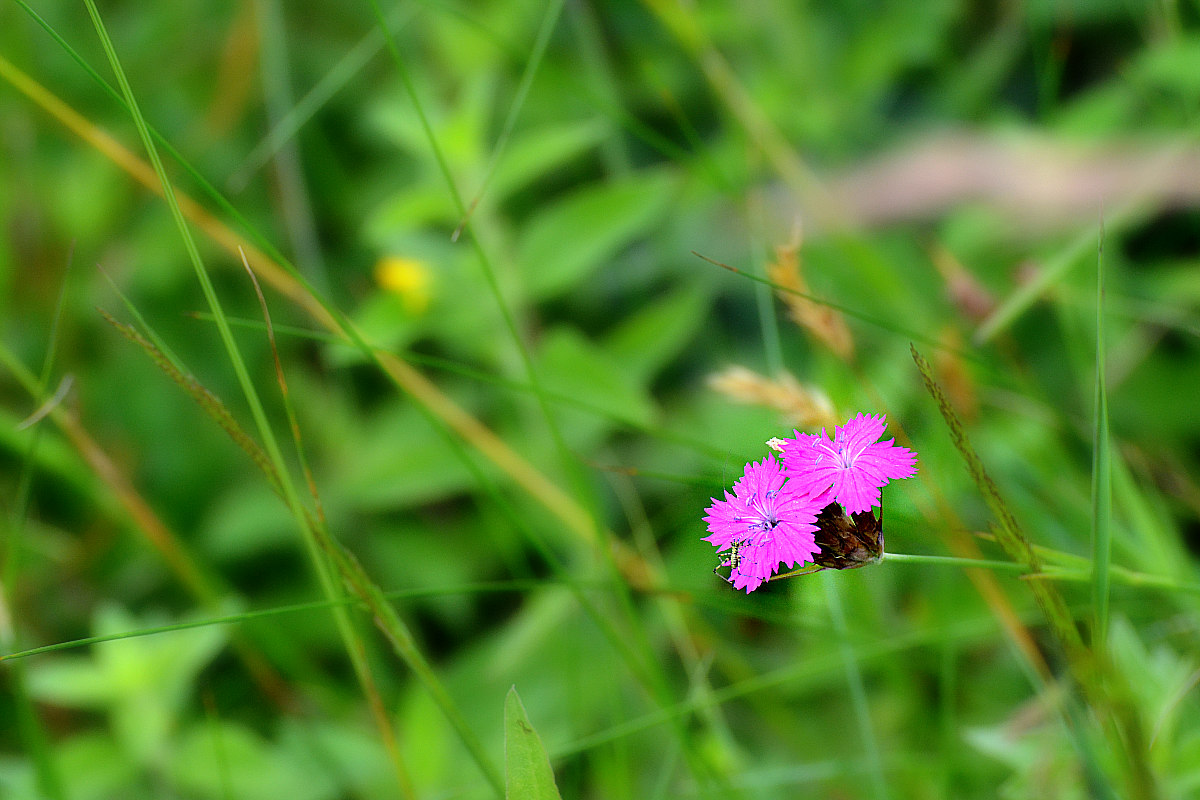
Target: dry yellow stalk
x,y
802,406
819,320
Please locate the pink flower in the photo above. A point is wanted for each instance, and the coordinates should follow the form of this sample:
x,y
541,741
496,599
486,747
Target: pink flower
x,y
767,521
855,463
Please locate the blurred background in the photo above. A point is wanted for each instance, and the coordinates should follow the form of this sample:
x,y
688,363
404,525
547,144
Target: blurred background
x,y
520,205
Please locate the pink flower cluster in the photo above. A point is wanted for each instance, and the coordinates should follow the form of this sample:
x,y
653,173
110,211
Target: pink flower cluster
x,y
771,516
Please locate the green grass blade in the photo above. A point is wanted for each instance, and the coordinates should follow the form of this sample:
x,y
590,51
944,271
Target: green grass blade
x,y
527,771
1101,478
295,608
569,463
404,644
1053,271
209,402
214,304
434,404
858,691
657,682
317,521
537,53
1121,724
323,553
878,322
332,82
296,209
1008,533
717,600
189,243
691,442
207,187
30,729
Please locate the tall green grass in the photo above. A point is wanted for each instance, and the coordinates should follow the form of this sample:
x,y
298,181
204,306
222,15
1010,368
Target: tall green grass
x,y
505,489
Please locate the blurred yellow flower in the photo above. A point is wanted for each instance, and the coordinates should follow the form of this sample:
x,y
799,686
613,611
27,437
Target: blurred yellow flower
x,y
407,277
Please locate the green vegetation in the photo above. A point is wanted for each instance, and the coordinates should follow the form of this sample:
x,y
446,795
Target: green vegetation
x,y
362,367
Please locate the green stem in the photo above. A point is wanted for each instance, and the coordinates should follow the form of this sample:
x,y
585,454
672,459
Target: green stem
x,y
955,561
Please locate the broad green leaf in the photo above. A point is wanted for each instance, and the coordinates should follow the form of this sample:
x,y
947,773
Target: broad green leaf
x,y
397,459
527,772
141,682
72,682
533,154
1173,67
159,667
95,769
227,759
1164,676
650,337
580,234
574,367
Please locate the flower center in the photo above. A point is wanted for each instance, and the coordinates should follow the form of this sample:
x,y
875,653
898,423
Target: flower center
x,y
844,459
769,518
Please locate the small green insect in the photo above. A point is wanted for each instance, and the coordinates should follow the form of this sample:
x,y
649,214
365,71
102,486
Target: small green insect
x,y
735,558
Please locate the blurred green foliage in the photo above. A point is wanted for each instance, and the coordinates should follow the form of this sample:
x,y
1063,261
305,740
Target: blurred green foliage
x,y
647,132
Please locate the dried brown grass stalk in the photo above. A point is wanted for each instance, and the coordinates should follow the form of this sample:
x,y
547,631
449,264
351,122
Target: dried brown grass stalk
x,y
802,406
821,321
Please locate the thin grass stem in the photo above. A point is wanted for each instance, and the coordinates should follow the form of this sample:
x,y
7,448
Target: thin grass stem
x,y
32,732
324,558
1101,475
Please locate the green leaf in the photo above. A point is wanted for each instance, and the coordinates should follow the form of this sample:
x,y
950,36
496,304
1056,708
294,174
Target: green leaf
x,y
527,772
580,234
539,152
160,669
654,334
1171,68
573,366
142,683
373,477
227,759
